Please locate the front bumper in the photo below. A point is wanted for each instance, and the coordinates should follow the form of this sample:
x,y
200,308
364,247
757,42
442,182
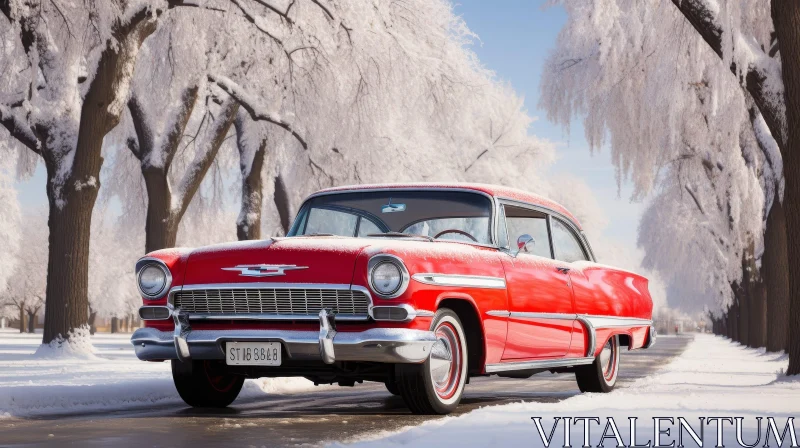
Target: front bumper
x,y
385,345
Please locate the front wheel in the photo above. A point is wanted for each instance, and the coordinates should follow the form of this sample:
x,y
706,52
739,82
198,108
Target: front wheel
x,y
601,375
205,384
436,386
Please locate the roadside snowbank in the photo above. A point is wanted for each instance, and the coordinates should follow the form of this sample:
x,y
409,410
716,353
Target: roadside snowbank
x,y
712,378
112,379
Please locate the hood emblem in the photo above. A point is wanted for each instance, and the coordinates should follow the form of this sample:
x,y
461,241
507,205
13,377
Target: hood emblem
x,y
264,270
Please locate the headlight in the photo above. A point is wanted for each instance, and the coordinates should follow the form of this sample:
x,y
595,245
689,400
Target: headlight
x,y
388,276
153,278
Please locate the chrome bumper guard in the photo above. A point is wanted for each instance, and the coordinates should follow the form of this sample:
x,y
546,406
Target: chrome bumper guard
x,y
386,345
651,337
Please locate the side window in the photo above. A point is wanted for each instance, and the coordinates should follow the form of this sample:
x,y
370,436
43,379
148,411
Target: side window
x,y
323,220
521,221
502,230
567,246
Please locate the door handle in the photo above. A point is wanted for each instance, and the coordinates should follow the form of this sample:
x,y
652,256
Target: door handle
x,y
562,270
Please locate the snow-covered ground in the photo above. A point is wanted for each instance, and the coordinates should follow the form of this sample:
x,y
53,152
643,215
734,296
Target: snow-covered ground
x,y
712,378
113,379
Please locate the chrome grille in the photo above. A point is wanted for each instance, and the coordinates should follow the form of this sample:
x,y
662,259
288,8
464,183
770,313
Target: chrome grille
x,y
273,302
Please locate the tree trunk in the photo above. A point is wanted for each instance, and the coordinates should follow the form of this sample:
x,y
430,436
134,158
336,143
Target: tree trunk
x,y
92,319
248,226
31,322
744,315
754,315
68,258
21,320
733,316
115,325
165,209
161,230
72,193
775,271
282,203
786,19
758,316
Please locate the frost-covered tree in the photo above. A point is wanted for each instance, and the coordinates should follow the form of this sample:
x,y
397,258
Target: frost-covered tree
x,y
65,73
111,279
659,80
10,221
25,292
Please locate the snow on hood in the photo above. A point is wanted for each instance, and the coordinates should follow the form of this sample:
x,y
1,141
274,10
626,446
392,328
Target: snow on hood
x,y
328,259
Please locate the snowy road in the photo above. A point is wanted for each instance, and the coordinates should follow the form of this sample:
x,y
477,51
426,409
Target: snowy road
x,y
329,414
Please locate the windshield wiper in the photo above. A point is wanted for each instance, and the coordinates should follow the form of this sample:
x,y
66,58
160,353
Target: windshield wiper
x,y
401,235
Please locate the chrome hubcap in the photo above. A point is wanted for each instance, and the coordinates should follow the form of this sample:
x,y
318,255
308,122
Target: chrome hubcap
x,y
441,362
445,361
608,360
605,357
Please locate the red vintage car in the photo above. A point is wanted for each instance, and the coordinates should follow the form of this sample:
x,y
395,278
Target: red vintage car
x,y
418,286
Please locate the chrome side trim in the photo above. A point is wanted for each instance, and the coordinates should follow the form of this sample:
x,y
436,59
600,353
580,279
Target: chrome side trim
x,y
499,313
468,281
557,316
537,364
146,261
590,347
376,260
616,321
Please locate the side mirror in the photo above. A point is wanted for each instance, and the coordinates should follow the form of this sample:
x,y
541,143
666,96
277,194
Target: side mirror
x,y
525,243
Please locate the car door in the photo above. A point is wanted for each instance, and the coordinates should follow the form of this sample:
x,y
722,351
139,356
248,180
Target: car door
x,y
541,310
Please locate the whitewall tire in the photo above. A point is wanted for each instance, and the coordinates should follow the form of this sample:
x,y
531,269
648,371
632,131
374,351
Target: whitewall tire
x,y
436,386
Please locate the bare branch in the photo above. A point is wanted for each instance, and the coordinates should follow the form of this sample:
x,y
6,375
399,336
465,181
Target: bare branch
x,y
252,19
19,130
284,14
250,106
199,167
174,135
142,146
483,153
324,9
756,74
696,200
63,17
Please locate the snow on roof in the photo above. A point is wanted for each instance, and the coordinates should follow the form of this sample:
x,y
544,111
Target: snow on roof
x,y
497,191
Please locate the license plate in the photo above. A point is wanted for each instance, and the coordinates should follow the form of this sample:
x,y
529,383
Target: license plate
x,y
253,353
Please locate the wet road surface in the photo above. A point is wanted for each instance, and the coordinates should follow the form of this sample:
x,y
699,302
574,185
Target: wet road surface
x,y
309,418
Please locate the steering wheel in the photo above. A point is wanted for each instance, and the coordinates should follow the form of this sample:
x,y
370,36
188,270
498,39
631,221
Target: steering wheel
x,y
460,232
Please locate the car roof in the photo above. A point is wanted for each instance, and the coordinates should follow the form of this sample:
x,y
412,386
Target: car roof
x,y
497,191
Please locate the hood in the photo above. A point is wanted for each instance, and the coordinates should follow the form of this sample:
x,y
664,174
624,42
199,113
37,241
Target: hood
x,y
280,260
328,259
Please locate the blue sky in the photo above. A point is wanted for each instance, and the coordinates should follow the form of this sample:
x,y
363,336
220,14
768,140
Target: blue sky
x,y
515,38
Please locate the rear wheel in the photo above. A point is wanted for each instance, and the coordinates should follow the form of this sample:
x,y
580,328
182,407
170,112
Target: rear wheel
x,y
391,386
205,384
436,386
601,375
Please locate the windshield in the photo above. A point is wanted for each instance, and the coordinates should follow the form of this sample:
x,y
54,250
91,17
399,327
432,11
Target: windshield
x,y
443,215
